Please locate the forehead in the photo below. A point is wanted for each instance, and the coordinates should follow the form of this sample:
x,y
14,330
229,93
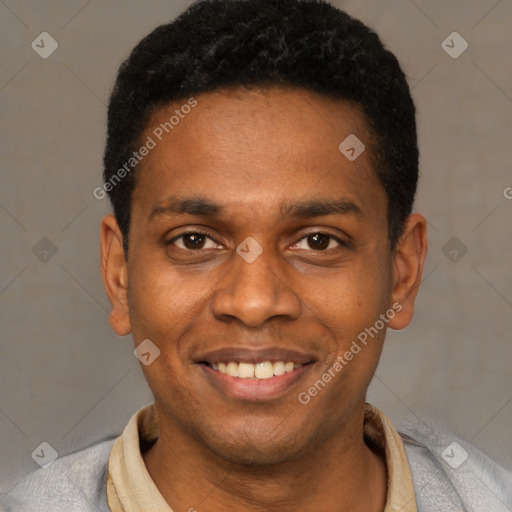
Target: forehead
x,y
258,149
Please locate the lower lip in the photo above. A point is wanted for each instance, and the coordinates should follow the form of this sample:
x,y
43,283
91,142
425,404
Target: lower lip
x,y
255,390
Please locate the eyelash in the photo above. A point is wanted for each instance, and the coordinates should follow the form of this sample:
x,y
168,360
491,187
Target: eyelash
x,y
342,243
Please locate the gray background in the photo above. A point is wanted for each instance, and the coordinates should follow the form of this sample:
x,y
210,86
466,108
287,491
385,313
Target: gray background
x,y
67,379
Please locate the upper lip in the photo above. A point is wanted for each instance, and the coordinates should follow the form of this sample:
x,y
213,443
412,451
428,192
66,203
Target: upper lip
x,y
254,355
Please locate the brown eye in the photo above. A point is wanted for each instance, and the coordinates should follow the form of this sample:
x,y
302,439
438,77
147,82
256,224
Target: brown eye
x,y
192,241
319,241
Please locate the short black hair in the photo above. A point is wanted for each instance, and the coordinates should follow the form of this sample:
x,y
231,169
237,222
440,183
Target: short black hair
x,y
307,44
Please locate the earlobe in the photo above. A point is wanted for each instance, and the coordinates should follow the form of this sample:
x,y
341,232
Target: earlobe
x,y
114,271
408,260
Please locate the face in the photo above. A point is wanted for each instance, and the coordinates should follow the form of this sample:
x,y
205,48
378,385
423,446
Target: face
x,y
256,245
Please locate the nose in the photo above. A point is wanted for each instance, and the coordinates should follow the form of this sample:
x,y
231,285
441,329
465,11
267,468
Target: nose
x,y
254,292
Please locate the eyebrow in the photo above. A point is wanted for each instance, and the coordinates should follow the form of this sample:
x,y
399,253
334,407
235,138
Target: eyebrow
x,y
202,207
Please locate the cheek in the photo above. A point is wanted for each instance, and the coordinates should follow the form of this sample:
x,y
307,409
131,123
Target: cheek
x,y
159,299
349,307
350,301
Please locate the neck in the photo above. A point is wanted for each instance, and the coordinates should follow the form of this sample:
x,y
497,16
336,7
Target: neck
x,y
341,474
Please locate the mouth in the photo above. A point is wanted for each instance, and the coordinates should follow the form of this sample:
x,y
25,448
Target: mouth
x,y
254,375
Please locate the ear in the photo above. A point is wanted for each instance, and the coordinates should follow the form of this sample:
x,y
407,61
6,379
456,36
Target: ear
x,y
409,258
115,274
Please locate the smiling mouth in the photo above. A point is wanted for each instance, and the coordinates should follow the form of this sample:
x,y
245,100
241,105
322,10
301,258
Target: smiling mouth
x,y
261,370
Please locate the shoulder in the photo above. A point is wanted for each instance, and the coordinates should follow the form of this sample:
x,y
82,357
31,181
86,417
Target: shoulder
x,y
451,474
75,482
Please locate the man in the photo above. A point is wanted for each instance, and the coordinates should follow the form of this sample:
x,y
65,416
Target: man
x,y
262,165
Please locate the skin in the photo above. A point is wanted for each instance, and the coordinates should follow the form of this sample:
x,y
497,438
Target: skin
x,y
252,151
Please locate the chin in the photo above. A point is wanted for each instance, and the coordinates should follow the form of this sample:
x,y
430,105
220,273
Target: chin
x,y
256,448
252,456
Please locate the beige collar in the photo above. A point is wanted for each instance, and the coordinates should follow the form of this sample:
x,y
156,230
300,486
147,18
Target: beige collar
x,y
131,489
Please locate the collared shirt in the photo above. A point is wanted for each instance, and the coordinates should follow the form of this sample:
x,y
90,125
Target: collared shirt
x,y
131,489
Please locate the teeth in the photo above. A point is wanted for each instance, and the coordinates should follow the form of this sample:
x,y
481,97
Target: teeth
x,y
232,369
289,367
279,368
264,370
245,370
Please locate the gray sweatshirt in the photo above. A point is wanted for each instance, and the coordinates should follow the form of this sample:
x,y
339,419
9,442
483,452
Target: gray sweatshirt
x,y
77,482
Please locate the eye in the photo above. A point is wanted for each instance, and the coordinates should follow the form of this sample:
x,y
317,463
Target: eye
x,y
318,242
193,241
